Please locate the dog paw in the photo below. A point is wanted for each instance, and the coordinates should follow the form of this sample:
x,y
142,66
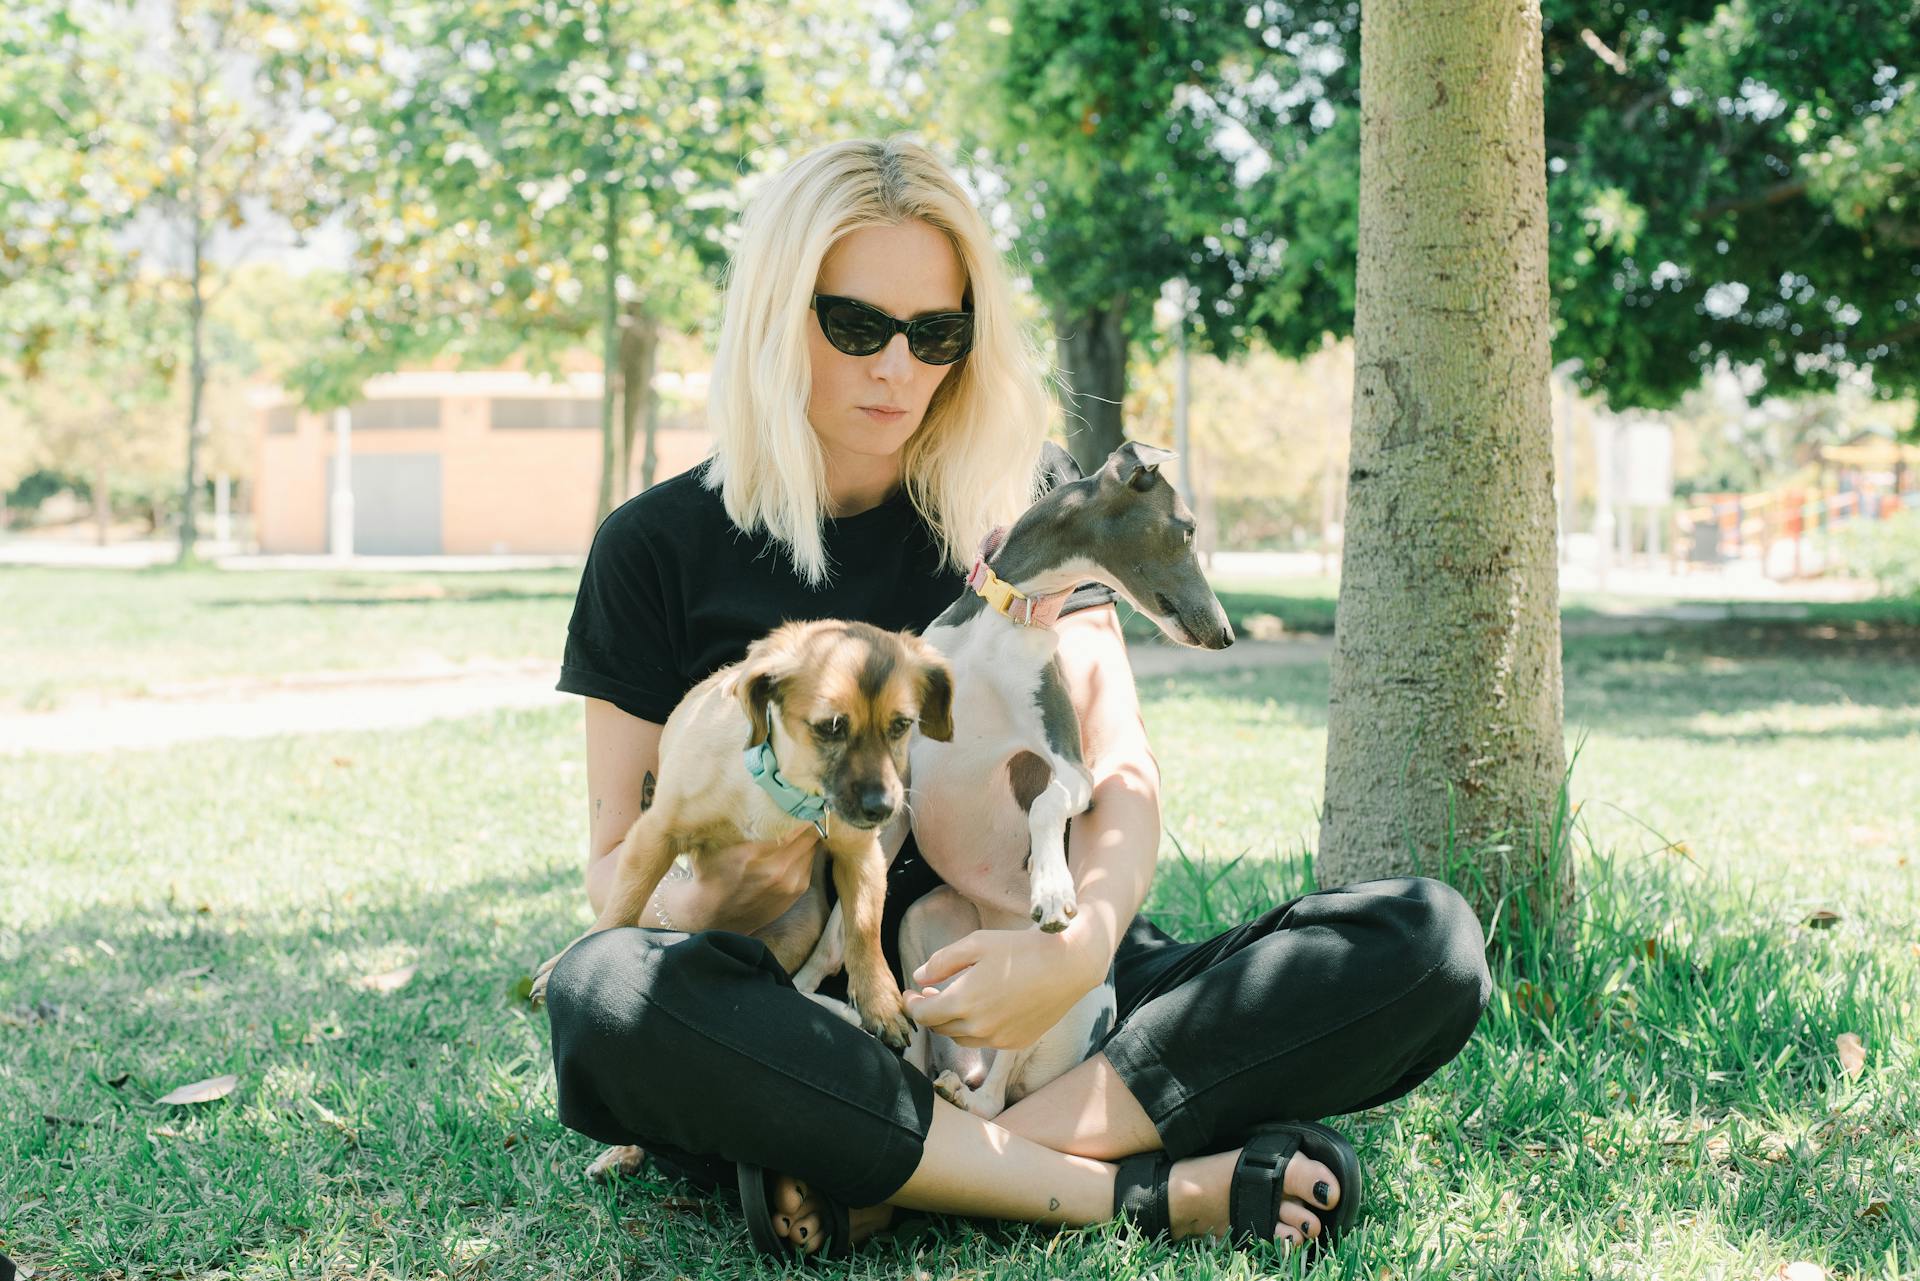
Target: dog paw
x,y
620,1162
950,1087
537,993
890,1025
1054,906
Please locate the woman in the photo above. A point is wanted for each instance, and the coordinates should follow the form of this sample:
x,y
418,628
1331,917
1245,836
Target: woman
x,y
859,459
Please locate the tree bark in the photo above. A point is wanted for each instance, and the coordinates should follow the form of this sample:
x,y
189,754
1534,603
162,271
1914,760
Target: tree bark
x,y
1093,363
102,504
196,318
1444,746
609,356
639,346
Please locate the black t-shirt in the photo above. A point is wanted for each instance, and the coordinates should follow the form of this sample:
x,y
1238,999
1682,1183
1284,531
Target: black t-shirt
x,y
673,590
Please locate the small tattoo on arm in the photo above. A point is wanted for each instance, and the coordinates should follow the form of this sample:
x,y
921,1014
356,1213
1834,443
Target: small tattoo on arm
x,y
646,792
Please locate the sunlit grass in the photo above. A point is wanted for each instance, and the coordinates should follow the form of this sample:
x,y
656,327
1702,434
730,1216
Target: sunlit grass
x,y
1664,1097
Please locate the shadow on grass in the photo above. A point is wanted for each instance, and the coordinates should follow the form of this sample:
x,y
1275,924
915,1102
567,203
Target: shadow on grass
x,y
1679,684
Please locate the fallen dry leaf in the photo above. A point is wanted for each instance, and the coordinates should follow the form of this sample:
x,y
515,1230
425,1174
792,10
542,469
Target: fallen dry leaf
x,y
1801,1271
1874,1208
214,1087
391,981
334,1120
166,1132
1821,919
1853,1055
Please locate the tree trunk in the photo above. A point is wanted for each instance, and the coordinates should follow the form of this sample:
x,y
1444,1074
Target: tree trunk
x,y
102,504
609,356
1093,362
196,380
1444,743
639,346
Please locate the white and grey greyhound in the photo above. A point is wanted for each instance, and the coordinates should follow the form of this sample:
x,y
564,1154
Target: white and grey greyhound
x,y
990,808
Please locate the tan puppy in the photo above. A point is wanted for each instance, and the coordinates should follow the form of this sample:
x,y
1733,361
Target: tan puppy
x,y
838,701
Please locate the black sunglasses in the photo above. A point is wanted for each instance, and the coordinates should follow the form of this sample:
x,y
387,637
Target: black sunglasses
x,y
859,329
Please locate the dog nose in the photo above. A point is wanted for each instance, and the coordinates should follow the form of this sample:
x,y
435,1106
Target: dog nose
x,y
874,802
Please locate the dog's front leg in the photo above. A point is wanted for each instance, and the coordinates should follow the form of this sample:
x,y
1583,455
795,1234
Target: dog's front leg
x,y
829,954
1051,881
644,861
860,875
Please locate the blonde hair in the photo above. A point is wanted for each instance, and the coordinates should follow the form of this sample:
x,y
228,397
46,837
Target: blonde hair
x,y
970,466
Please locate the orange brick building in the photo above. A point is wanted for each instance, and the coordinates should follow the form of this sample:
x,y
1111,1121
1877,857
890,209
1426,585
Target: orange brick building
x,y
454,462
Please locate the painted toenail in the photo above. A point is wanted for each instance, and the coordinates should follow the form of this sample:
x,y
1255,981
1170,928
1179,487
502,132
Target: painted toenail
x,y
1321,1192
803,1234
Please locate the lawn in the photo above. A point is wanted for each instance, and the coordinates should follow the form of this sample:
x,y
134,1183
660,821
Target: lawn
x,y
128,633
1663,1098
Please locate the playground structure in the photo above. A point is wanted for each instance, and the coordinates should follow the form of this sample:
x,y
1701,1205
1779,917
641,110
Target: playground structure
x,y
1789,532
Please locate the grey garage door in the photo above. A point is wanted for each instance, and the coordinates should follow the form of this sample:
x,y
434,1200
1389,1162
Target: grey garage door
x,y
396,504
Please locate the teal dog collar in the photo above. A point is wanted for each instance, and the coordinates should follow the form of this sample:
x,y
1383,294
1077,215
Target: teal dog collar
x,y
805,806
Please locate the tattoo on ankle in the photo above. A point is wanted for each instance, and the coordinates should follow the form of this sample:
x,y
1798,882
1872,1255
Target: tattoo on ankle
x,y
646,792
1053,1203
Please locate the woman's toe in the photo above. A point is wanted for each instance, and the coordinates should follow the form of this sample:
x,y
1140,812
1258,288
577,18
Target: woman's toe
x,y
1309,1181
806,1232
788,1195
1300,1218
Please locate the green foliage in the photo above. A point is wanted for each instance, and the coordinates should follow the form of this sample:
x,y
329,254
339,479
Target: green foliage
x,y
1726,181
1723,184
1886,551
474,149
1104,130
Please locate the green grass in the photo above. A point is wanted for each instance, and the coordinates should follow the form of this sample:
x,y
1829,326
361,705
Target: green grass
x,y
1661,1098
135,632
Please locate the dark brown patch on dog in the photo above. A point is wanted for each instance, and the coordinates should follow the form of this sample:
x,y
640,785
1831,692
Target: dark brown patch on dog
x,y
1029,774
876,672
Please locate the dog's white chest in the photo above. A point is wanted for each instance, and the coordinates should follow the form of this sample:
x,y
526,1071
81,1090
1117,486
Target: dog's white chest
x,y
966,821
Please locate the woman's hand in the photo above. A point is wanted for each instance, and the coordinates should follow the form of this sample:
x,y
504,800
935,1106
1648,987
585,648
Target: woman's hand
x,y
746,886
1008,988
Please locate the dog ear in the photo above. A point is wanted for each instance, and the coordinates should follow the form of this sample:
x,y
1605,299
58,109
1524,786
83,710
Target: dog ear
x,y
1056,466
936,695
1136,466
769,662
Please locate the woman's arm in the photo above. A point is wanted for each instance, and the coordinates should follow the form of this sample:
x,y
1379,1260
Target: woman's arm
x,y
1116,843
1021,982
741,888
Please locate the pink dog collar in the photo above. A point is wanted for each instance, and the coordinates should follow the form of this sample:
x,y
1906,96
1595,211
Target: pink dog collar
x,y
1028,611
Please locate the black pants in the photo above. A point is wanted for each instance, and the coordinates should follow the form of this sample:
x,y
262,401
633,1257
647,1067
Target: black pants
x,y
697,1048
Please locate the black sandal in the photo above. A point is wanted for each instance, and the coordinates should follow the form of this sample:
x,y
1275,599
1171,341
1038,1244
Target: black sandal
x,y
756,1202
1140,1185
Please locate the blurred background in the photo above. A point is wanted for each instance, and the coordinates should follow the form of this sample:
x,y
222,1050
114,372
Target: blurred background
x,y
372,279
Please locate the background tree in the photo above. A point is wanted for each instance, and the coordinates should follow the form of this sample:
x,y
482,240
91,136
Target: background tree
x,y
1725,182
1444,730
529,181
216,155
1109,156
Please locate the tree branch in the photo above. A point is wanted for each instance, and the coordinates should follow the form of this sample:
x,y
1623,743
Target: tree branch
x,y
1776,194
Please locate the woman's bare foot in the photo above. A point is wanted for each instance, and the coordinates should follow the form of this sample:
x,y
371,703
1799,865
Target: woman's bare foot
x,y
1197,1194
798,1216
